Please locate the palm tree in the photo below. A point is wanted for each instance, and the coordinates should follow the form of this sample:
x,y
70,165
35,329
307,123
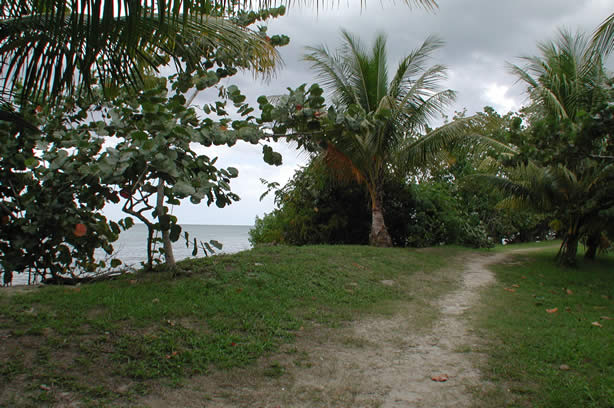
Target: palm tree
x,y
565,79
562,193
563,174
395,111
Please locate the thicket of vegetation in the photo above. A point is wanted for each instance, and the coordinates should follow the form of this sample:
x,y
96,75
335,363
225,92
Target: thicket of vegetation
x,y
548,169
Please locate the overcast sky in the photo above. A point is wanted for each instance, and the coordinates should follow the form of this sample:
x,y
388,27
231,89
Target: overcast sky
x,y
480,37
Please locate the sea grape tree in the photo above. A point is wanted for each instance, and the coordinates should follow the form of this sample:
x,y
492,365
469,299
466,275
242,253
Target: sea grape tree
x,y
155,164
50,200
59,168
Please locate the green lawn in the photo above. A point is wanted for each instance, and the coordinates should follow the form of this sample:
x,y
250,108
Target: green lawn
x,y
550,337
106,343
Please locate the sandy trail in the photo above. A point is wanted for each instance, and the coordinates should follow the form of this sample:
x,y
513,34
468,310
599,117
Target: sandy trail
x,y
376,362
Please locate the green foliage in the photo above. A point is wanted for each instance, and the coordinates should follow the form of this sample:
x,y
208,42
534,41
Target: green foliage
x,y
50,201
565,159
458,173
117,40
315,208
374,123
56,175
438,217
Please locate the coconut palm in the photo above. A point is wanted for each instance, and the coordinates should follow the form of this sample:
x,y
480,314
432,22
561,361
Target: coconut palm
x,y
564,194
567,176
564,80
393,111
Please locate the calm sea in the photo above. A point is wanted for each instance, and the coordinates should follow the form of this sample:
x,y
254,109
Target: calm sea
x,y
131,245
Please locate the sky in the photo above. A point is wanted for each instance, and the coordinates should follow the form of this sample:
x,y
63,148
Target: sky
x,y
481,37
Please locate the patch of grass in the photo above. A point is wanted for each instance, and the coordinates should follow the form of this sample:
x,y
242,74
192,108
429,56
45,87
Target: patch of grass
x,y
524,245
113,338
550,337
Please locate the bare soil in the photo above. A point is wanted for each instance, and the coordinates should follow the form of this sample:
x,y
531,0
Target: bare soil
x,y
387,361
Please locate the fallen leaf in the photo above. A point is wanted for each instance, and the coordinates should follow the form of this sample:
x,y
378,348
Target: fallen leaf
x,y
564,367
358,266
239,290
553,310
515,286
523,277
170,322
133,281
606,318
510,290
440,378
233,344
45,387
596,324
156,300
568,309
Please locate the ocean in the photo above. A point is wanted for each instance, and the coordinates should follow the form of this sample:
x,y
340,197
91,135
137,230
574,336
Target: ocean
x,y
131,247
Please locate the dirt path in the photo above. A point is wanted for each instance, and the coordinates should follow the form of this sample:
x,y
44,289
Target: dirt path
x,y
377,362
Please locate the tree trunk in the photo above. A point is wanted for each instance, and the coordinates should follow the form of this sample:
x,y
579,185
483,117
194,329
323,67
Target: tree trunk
x,y
166,235
592,244
379,236
569,249
150,235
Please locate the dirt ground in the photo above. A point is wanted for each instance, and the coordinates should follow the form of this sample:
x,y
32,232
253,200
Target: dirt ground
x,y
375,362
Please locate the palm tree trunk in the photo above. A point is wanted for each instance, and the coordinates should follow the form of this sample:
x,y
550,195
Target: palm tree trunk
x,y
379,235
569,249
592,244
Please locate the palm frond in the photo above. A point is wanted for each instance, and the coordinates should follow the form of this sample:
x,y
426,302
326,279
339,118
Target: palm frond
x,y
342,166
602,42
47,61
425,148
526,186
415,115
359,69
565,78
379,65
414,64
333,73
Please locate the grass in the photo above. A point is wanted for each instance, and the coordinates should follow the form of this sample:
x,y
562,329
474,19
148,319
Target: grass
x,y
108,343
550,340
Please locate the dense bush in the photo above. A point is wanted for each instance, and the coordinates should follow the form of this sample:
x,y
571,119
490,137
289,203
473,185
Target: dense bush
x,y
314,208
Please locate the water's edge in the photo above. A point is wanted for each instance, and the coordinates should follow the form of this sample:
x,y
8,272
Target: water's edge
x,y
131,249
